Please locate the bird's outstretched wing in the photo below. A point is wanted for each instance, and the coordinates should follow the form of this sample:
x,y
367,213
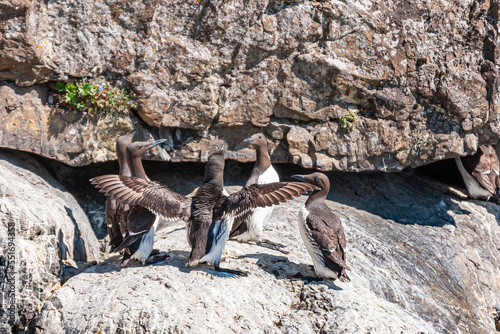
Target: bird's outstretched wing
x,y
152,195
484,166
259,195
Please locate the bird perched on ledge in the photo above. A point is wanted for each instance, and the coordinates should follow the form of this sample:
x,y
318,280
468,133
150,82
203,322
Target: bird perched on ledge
x,y
136,224
249,227
322,232
115,211
480,173
209,214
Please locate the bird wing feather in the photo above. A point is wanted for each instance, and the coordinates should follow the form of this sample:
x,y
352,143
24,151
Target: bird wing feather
x,y
260,195
484,167
155,196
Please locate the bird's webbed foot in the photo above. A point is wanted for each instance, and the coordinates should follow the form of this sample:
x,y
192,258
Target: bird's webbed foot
x,y
156,256
308,279
273,245
232,271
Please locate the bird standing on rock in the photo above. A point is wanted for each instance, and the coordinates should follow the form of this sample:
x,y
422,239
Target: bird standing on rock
x,y
322,232
138,225
115,211
480,173
249,227
209,213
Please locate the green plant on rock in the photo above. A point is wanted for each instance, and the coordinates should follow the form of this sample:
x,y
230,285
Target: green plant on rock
x,y
93,95
348,120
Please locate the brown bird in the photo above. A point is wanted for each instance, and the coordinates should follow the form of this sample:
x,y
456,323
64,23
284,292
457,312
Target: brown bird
x,y
115,211
322,231
137,224
209,214
480,173
250,226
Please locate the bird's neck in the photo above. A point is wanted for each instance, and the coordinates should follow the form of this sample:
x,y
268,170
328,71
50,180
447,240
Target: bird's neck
x,y
138,169
263,160
124,167
215,179
317,197
122,161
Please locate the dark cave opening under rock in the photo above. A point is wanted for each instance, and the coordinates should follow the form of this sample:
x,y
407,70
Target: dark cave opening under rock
x,y
444,171
378,193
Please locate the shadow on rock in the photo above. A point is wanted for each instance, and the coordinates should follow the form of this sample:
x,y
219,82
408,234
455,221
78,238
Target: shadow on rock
x,y
282,268
405,200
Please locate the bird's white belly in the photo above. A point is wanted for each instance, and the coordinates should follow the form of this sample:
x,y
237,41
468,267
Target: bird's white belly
x,y
147,242
473,187
255,224
221,231
257,217
269,176
312,247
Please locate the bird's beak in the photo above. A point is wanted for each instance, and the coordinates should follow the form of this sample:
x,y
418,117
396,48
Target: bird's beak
x,y
249,141
223,147
299,177
155,143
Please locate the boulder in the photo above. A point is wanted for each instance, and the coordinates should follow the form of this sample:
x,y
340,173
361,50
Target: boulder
x,y
45,237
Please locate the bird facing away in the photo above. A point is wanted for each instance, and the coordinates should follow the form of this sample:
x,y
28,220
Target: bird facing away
x,y
480,173
115,211
322,232
209,214
138,227
249,227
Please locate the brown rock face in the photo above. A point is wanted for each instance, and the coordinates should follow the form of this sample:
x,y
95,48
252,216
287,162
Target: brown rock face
x,y
421,76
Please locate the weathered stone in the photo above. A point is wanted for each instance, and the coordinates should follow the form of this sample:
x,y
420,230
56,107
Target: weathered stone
x,y
45,237
416,73
28,123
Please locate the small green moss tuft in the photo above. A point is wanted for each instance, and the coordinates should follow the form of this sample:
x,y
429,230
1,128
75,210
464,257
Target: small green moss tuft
x,y
93,95
348,120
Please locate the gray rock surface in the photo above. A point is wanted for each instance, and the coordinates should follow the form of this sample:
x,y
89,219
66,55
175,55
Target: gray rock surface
x,y
423,262
422,77
51,237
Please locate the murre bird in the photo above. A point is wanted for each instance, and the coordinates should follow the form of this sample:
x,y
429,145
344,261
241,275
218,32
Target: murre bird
x,y
115,211
139,226
209,213
249,227
322,232
480,173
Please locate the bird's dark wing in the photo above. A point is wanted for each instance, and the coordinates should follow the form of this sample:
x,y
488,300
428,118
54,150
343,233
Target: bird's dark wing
x,y
484,166
152,195
116,217
259,195
240,225
139,221
330,238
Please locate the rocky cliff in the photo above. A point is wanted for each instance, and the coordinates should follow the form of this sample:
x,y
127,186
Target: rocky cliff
x,y
45,238
421,78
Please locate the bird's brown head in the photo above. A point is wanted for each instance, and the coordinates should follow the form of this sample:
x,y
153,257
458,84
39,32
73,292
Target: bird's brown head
x,y
138,148
124,141
215,166
257,140
318,179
